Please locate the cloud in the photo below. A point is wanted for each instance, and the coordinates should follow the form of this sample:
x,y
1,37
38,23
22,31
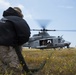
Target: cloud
x,y
4,4
28,15
67,7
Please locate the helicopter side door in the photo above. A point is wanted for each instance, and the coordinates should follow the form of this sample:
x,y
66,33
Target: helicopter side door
x,y
46,42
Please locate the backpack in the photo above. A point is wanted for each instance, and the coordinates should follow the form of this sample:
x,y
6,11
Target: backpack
x,y
21,30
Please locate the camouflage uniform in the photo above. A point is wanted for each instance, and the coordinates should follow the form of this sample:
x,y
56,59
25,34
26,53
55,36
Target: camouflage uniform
x,y
9,61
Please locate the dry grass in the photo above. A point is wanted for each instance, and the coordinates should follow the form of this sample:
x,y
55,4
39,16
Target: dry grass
x,y
59,62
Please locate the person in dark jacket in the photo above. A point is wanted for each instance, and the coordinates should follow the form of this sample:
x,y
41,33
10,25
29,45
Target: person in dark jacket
x,y
14,31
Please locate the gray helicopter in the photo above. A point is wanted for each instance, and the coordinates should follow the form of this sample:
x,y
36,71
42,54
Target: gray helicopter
x,y
43,40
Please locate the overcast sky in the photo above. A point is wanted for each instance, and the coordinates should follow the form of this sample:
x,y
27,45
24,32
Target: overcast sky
x,y
61,13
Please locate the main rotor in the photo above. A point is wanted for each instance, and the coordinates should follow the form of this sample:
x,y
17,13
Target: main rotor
x,y
44,23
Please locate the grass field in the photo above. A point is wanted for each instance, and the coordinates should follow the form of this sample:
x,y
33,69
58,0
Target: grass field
x,y
58,62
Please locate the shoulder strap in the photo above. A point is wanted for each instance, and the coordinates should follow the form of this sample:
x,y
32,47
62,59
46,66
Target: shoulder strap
x,y
21,59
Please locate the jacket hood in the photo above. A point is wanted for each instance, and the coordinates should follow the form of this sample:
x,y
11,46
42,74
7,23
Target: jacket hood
x,y
10,12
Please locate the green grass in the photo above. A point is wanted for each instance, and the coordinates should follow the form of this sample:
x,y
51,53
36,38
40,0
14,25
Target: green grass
x,y
58,62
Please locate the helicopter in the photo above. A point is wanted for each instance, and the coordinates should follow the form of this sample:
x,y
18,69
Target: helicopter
x,y
43,40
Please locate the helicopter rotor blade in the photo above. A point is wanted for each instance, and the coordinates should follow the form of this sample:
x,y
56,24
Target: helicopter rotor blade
x,y
35,30
49,30
43,23
52,30
63,30
42,30
67,30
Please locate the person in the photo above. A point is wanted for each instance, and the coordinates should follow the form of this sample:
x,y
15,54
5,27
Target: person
x,y
14,31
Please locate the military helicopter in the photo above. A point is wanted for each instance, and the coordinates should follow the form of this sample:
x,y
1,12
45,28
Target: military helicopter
x,y
43,40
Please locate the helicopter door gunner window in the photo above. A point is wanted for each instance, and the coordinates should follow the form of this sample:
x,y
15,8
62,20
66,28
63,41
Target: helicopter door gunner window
x,y
43,42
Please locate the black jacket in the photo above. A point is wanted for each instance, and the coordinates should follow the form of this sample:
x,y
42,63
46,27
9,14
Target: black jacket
x,y
13,29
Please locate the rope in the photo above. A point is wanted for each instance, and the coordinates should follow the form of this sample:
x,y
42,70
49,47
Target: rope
x,y
24,65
